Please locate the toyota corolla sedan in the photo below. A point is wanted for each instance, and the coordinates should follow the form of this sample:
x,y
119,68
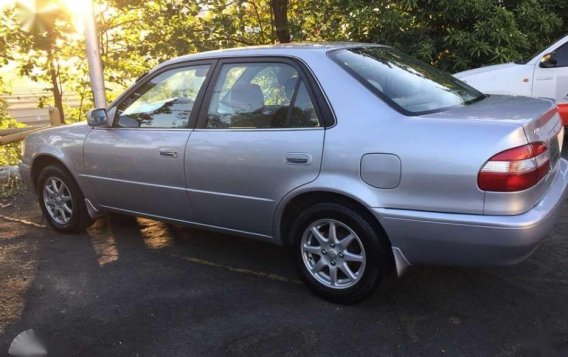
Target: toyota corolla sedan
x,y
360,158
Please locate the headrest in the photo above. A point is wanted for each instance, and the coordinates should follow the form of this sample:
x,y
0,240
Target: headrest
x,y
247,98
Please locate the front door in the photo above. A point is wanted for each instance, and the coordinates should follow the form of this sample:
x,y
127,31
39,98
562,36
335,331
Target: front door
x,y
138,164
552,82
259,136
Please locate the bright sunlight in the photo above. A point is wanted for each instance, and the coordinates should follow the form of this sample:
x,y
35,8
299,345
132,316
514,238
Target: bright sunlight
x,y
30,9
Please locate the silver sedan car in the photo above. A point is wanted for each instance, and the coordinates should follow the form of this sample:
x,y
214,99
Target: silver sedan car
x,y
360,158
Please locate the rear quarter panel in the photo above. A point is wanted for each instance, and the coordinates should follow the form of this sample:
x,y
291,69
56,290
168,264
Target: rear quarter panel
x,y
440,157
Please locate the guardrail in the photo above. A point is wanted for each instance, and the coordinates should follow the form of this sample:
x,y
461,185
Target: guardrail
x,y
8,136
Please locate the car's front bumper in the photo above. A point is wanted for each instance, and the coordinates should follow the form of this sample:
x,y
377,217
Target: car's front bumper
x,y
26,175
473,240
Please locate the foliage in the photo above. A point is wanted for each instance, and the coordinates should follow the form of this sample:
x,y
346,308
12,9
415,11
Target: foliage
x,y
40,41
11,186
10,153
451,34
560,8
136,35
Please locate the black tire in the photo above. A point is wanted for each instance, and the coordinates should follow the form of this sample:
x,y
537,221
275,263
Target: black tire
x,y
377,250
79,219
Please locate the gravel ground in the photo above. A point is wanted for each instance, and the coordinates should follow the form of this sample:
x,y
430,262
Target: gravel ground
x,y
138,287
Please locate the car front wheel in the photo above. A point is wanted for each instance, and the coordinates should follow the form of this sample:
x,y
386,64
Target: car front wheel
x,y
340,254
61,200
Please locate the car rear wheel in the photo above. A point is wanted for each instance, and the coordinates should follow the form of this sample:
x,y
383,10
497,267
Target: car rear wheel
x,y
61,200
340,254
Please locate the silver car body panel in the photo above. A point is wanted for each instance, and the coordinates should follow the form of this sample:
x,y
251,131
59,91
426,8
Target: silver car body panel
x,y
236,178
238,181
136,176
474,240
64,144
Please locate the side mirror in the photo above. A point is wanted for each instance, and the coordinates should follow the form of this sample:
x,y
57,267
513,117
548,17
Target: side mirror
x,y
548,60
97,117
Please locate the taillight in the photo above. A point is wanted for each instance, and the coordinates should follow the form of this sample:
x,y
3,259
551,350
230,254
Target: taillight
x,y
515,169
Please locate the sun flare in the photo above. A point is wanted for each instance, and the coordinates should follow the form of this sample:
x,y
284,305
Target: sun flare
x,y
77,10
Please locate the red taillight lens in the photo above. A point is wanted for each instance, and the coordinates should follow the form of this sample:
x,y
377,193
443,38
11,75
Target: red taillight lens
x,y
515,169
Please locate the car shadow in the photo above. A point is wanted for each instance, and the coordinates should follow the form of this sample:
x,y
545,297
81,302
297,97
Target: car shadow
x,y
133,285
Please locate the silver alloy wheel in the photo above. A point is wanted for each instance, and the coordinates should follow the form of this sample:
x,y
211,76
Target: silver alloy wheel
x,y
333,254
57,200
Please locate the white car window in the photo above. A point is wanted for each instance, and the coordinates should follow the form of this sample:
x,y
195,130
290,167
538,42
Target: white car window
x,y
561,56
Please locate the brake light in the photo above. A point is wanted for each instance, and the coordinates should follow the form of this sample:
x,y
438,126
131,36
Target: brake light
x,y
515,169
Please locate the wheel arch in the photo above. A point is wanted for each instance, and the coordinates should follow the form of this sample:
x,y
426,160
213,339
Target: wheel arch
x,y
289,209
41,161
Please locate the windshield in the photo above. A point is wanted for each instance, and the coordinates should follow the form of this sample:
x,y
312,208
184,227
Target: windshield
x,y
527,60
409,85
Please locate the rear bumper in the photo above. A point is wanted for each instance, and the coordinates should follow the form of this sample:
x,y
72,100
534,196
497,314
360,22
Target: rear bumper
x,y
474,240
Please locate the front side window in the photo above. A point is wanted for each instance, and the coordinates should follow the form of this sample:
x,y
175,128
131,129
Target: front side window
x,y
165,101
561,56
409,85
260,95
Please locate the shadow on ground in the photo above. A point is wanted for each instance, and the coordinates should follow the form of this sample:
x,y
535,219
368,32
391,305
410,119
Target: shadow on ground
x,y
132,286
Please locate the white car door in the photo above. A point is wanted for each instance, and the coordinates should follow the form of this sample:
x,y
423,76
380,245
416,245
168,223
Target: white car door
x,y
551,75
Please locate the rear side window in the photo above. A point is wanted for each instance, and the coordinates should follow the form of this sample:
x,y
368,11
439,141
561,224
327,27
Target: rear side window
x,y
260,96
407,84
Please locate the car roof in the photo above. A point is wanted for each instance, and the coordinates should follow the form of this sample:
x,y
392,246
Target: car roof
x,y
288,49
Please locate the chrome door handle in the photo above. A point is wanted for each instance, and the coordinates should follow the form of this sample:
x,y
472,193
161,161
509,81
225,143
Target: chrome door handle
x,y
172,153
298,159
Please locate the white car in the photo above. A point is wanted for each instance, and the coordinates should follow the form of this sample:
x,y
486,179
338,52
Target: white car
x,y
544,75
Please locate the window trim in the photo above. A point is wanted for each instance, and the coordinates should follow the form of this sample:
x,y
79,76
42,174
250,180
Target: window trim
x,y
323,111
149,76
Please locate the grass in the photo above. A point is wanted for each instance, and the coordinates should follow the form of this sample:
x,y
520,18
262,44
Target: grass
x,y
11,186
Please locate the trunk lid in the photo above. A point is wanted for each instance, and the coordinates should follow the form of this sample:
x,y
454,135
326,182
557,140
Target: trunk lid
x,y
538,117
540,122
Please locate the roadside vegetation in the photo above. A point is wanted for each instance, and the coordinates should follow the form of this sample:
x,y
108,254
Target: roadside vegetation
x,y
135,35
10,154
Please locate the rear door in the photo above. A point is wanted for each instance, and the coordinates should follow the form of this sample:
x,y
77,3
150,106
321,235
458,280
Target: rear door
x,y
260,135
138,164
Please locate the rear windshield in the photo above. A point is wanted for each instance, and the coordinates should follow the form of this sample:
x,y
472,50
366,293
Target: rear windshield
x,y
407,84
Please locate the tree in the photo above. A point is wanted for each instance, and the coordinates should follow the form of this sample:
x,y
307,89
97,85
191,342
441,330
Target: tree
x,y
9,154
452,34
43,42
560,8
280,12
136,35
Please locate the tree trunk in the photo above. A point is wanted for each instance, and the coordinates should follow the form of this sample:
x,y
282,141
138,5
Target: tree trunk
x,y
57,95
280,11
